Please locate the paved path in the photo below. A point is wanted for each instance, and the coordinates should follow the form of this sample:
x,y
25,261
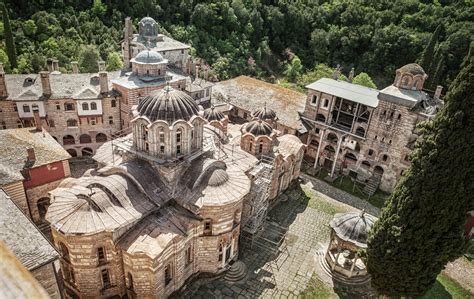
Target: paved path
x,y
339,195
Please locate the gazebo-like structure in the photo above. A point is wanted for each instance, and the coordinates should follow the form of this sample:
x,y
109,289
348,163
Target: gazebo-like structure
x,y
349,233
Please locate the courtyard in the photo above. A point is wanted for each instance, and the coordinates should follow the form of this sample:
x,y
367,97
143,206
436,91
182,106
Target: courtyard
x,y
291,270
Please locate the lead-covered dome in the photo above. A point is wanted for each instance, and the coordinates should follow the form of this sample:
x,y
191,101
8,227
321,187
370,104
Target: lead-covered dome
x,y
412,68
148,57
353,227
169,105
264,114
258,128
213,114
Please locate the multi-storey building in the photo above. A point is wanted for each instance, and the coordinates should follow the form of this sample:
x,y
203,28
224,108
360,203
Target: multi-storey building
x,y
366,133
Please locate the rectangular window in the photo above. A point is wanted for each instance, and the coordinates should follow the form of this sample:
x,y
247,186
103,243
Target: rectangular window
x,y
58,107
69,107
101,257
178,149
51,123
189,255
93,121
113,103
168,276
314,99
162,149
26,108
105,278
207,227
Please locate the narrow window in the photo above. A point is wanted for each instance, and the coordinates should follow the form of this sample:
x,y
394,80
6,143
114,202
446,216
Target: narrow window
x,y
58,107
260,147
399,116
162,149
371,152
105,278
26,108
4,126
178,150
64,252
401,172
220,253
162,136
207,227
384,158
111,120
314,99
113,103
130,281
93,106
326,103
101,257
51,123
188,255
168,276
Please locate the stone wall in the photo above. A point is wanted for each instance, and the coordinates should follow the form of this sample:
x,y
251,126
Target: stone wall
x,y
9,118
17,194
46,276
36,193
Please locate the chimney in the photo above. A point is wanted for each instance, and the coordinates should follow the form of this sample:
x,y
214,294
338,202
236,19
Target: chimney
x,y
45,83
104,82
206,73
74,67
437,94
128,27
337,72
31,157
101,66
197,72
55,65
36,115
3,83
351,75
49,64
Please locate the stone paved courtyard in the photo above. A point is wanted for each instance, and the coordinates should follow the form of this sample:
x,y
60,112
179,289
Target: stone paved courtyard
x,y
305,213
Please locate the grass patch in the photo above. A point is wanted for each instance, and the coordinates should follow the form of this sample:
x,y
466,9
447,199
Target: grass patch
x,y
316,289
345,184
446,288
316,202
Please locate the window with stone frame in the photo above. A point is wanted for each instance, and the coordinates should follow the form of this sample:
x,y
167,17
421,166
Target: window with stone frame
x,y
105,278
168,274
101,256
188,255
26,108
207,227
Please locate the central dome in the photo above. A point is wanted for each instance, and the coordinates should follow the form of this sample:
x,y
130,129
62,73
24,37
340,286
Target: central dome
x,y
258,128
412,68
169,105
148,57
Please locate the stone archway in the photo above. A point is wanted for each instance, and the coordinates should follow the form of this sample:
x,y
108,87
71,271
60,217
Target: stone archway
x,y
72,152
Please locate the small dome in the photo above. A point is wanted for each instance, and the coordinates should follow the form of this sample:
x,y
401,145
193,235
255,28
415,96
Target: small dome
x,y
258,128
412,68
169,105
212,114
353,227
264,114
218,177
148,20
148,57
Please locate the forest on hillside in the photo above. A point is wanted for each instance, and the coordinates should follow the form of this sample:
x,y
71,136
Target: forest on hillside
x,y
270,39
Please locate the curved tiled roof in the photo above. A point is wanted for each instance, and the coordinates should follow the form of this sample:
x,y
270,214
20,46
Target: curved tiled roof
x,y
412,68
353,227
258,128
213,114
289,144
264,113
148,57
169,105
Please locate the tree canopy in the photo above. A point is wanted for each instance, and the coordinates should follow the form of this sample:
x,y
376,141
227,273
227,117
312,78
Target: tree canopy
x,y
421,225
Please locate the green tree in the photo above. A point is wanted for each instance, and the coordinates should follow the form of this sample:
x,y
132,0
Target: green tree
x,y
421,225
99,8
88,58
426,58
293,69
114,61
9,43
364,80
4,60
29,28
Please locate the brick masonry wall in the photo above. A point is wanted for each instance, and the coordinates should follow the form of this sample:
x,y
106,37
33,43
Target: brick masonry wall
x,y
46,276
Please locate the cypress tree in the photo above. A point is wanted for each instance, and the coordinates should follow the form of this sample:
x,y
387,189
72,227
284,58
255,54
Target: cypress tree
x,y
439,68
430,81
421,225
429,51
9,43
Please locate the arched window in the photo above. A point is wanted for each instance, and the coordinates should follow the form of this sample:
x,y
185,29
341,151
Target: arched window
x,y
365,164
58,106
71,123
332,137
360,132
179,136
93,106
84,138
72,152
68,139
384,158
236,217
85,106
260,147
101,137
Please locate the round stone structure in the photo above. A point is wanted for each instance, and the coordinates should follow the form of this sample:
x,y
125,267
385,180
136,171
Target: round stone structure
x,y
149,64
258,128
349,232
265,114
148,56
410,76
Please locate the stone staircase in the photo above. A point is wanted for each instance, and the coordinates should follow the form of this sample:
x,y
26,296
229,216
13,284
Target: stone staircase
x,y
373,184
236,273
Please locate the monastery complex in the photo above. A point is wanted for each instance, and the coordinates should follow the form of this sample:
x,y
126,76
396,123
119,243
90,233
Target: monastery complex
x,y
186,169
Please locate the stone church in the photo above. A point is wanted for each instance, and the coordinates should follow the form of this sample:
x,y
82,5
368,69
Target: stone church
x,y
169,201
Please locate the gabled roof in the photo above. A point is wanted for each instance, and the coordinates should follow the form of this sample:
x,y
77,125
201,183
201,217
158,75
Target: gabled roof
x,y
23,237
87,93
13,151
352,92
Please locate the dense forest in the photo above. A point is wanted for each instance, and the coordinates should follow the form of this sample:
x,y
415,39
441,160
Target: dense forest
x,y
270,39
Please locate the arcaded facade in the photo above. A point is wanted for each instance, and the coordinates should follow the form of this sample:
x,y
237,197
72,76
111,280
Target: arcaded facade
x,y
366,133
168,201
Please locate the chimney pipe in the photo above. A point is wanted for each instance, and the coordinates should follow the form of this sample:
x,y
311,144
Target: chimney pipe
x,y
31,156
104,82
56,65
74,67
37,118
351,76
49,64
206,73
45,83
197,72
101,66
437,94
3,83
